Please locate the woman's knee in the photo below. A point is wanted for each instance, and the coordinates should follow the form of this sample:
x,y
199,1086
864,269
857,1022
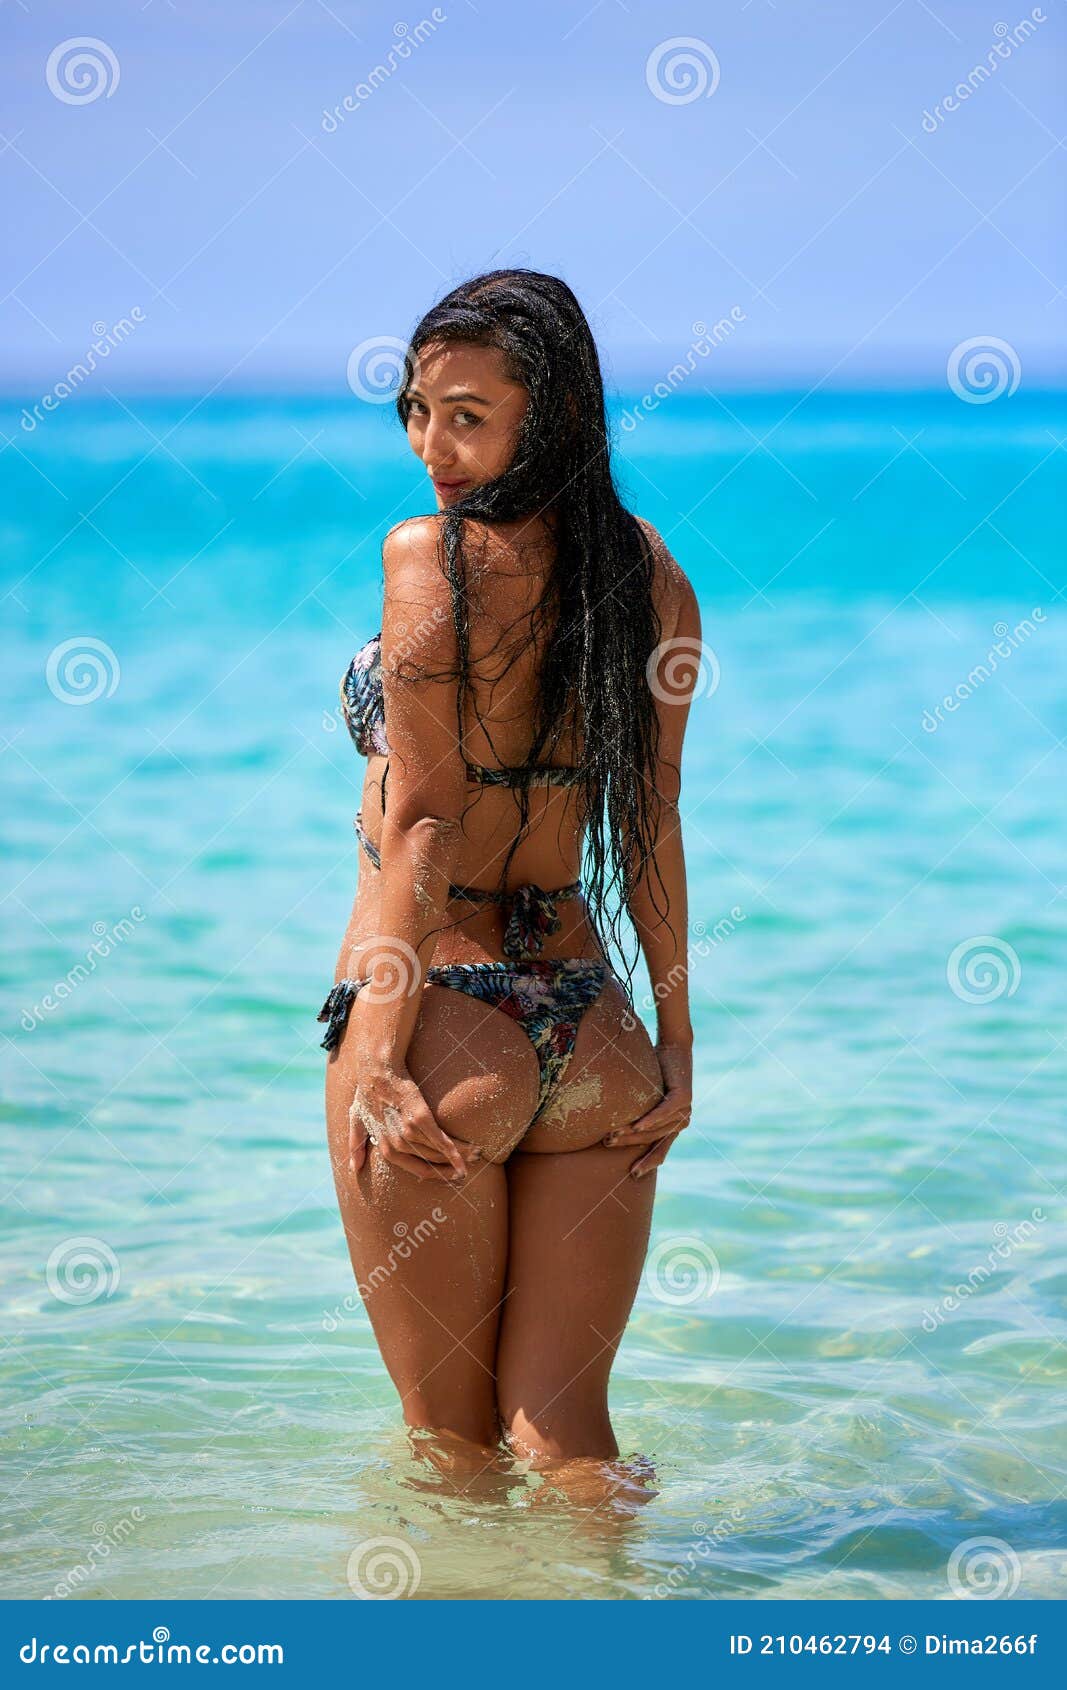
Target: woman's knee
x,y
558,1420
471,1415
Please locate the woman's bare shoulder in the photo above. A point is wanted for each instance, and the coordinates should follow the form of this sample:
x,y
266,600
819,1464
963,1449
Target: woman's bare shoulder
x,y
414,537
672,590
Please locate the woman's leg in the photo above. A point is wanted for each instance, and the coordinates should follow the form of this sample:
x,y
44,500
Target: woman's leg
x,y
429,1257
578,1231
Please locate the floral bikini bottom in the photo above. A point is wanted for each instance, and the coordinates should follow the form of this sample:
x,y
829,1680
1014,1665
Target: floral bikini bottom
x,y
546,997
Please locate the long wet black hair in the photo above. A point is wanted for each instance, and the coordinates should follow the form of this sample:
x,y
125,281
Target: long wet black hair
x,y
596,610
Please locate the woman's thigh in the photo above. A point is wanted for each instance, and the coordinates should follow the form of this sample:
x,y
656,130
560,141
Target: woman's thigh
x,y
430,1258
578,1231
613,1077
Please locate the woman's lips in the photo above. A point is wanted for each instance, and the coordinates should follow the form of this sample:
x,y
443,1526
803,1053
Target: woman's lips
x,y
450,486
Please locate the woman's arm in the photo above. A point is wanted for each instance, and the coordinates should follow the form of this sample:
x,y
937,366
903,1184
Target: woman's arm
x,y
659,904
425,792
659,907
425,786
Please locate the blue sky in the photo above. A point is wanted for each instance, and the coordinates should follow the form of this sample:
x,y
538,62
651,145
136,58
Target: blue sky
x,y
800,188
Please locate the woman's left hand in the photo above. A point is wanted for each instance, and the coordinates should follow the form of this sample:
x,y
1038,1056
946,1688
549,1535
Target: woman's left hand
x,y
670,1116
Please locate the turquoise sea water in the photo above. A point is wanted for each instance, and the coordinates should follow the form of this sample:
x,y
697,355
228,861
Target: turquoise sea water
x,y
846,1362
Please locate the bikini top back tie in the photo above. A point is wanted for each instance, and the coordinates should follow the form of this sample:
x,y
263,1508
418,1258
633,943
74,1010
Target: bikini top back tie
x,y
363,708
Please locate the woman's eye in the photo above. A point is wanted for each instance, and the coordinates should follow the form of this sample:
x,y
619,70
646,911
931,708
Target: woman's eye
x,y
468,417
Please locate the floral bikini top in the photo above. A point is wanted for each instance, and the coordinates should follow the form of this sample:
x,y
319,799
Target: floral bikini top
x,y
363,707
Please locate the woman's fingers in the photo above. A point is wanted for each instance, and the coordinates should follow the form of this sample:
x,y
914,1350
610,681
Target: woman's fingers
x,y
408,1127
653,1159
411,1146
417,1165
671,1115
433,1143
421,1130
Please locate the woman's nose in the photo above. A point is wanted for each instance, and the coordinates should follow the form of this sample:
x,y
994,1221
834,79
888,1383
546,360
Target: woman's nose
x,y
437,448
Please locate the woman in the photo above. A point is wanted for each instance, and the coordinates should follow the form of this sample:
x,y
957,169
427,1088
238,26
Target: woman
x,y
496,1171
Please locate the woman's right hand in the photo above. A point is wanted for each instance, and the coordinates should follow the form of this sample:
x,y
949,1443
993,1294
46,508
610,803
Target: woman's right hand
x,y
670,1116
389,1111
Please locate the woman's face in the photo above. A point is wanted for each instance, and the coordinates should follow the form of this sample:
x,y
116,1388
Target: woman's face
x,y
464,418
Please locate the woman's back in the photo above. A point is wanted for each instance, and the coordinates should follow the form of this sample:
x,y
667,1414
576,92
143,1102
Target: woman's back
x,y
509,628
